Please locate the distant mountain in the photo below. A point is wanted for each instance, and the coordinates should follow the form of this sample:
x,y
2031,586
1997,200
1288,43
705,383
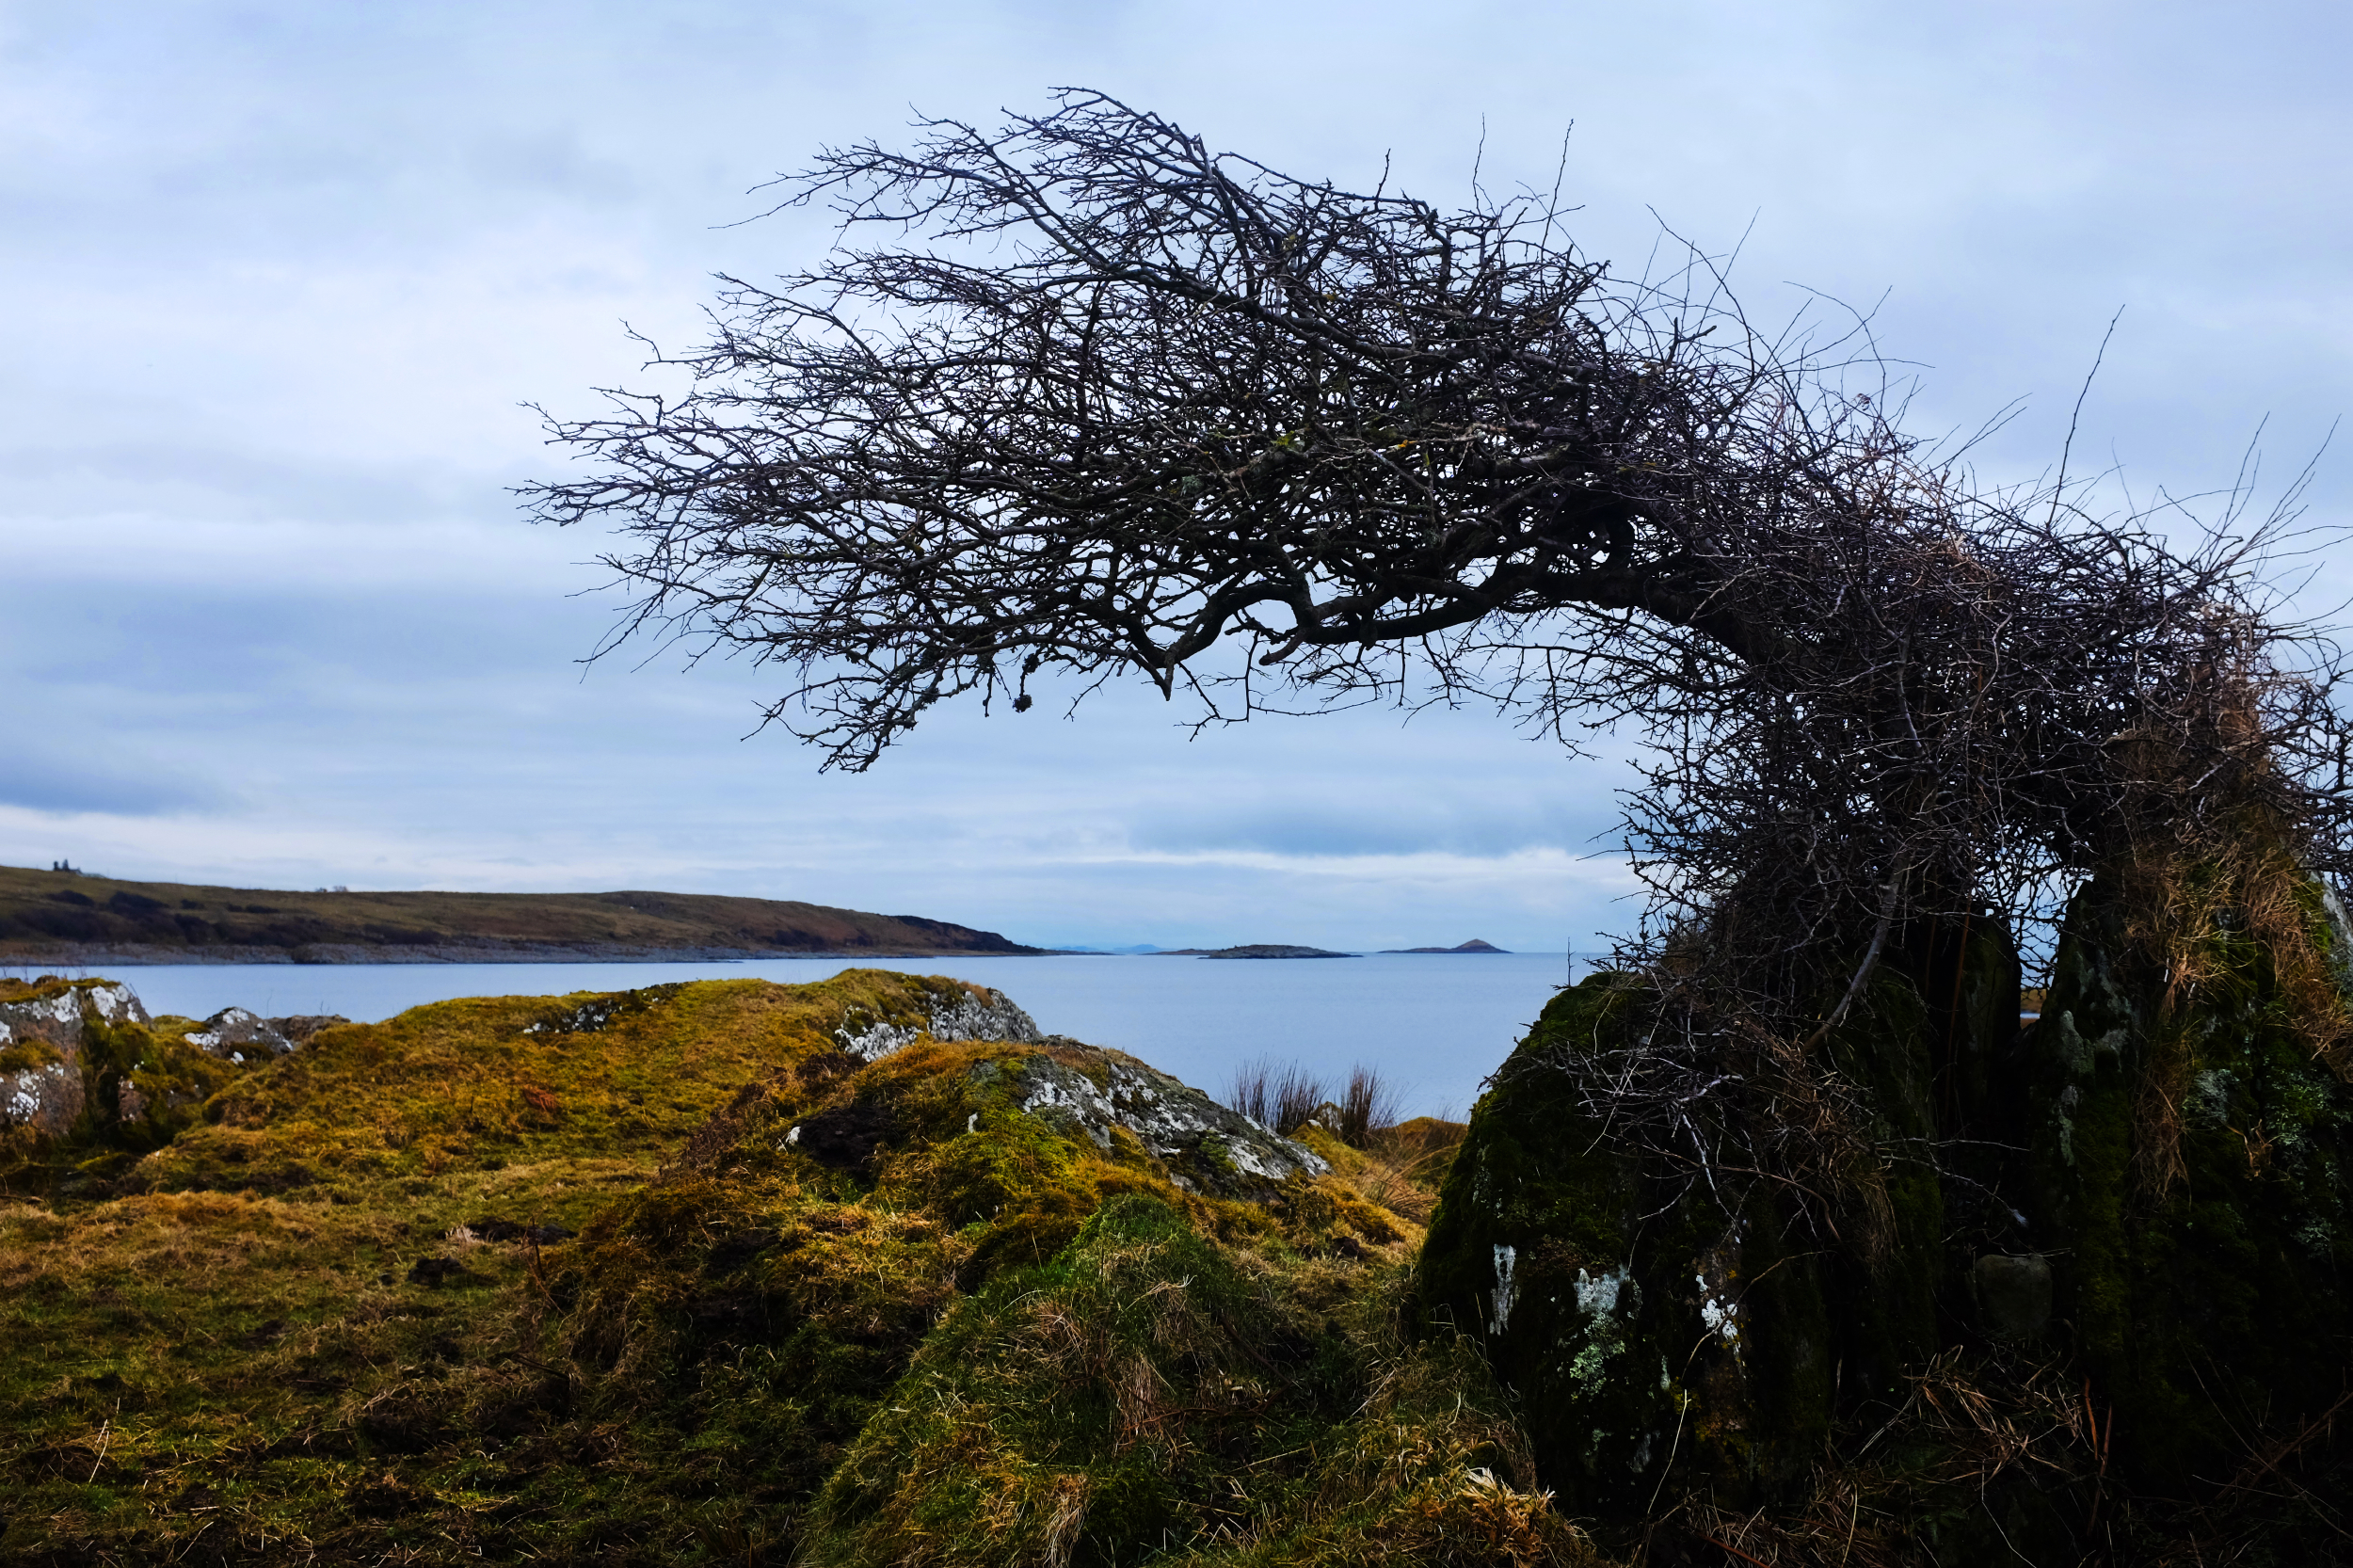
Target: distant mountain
x,y
1474,945
1254,950
61,917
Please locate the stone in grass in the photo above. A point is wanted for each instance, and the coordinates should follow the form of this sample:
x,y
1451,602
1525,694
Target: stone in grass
x,y
236,1035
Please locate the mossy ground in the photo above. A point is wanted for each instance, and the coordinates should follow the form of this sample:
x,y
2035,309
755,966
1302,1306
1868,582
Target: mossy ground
x,y
555,1280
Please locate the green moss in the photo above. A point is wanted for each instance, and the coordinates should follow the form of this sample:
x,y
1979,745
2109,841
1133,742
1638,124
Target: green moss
x,y
1660,1328
1587,1282
1147,1396
2211,1307
24,1055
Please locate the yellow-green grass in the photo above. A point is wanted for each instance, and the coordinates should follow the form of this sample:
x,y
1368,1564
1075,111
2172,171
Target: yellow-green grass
x,y
255,1295
237,1358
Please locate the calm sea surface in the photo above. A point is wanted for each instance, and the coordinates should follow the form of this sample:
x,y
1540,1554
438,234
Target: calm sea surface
x,y
1433,1025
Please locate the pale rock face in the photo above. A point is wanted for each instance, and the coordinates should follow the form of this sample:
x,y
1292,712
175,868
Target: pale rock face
x,y
974,1014
1178,1123
239,1035
46,1096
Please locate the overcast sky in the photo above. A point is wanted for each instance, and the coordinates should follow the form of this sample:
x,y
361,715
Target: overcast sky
x,y
279,276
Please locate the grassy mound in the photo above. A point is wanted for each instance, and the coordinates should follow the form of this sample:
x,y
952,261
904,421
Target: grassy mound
x,y
673,1276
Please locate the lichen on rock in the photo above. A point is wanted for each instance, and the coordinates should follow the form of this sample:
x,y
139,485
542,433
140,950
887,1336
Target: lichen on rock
x,y
42,1025
941,1009
1091,1092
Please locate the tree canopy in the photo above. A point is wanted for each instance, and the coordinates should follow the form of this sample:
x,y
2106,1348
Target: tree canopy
x,y
1077,394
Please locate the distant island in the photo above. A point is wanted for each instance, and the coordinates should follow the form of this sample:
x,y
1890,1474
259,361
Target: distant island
x,y
1253,949
66,917
1474,945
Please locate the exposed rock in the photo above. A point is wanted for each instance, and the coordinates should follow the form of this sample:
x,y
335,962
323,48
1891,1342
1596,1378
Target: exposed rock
x,y
240,1036
2156,1179
1086,1090
955,1012
301,1026
1652,1320
41,1028
1640,1323
598,1013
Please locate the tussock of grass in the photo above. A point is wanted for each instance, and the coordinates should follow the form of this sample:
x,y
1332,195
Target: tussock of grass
x,y
1148,1395
1287,1097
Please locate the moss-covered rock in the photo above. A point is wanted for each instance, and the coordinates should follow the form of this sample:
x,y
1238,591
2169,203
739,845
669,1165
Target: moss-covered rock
x,y
44,1086
2192,1176
1626,1312
90,1082
1147,1395
1666,1326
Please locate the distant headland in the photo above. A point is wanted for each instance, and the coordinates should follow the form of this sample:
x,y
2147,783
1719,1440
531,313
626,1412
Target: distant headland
x,y
65,916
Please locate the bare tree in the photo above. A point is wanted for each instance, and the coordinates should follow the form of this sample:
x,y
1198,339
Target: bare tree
x,y
1078,395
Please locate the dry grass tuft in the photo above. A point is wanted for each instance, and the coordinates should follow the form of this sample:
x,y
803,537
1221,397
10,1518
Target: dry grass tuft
x,y
1285,1098
2223,912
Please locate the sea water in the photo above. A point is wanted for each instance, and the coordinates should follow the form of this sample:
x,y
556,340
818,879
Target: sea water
x,y
1433,1025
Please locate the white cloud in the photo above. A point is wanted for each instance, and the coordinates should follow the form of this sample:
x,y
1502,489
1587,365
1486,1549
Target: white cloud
x,y
286,274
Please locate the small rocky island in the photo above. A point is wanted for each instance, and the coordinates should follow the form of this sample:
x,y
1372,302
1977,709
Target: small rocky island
x,y
1254,950
1474,945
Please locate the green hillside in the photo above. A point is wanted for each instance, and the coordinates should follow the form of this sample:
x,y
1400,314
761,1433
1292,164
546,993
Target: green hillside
x,y
70,917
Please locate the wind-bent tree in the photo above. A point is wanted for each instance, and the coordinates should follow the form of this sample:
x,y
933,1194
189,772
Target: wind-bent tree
x,y
1078,395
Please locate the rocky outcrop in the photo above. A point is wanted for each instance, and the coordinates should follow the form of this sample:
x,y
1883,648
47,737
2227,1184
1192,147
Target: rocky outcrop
x,y
1643,1323
240,1036
42,1027
90,1082
1665,1325
301,1027
950,1009
2150,1187
1084,1091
